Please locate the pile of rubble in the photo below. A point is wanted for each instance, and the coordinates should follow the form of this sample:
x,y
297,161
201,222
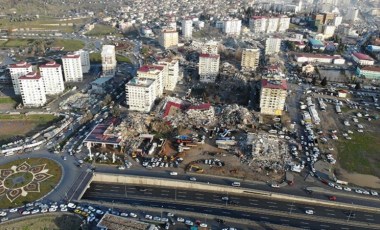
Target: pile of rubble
x,y
135,124
234,114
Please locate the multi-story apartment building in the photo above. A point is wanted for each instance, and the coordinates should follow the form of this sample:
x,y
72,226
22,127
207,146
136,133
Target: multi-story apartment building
x,y
154,72
17,70
208,67
232,27
272,25
72,68
187,28
272,96
168,38
272,45
210,47
171,73
108,61
52,78
32,90
262,24
283,23
258,24
85,60
250,59
140,94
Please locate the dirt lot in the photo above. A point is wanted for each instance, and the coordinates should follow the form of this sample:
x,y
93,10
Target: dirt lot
x,y
45,221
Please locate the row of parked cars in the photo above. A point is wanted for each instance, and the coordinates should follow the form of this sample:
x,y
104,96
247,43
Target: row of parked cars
x,y
357,190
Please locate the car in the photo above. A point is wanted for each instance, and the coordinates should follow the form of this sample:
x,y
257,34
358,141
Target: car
x,y
13,210
225,198
348,189
331,184
44,210
365,192
124,214
338,187
180,219
309,212
149,217
25,212
233,202
275,186
3,213
203,225
374,193
220,221
358,191
170,214
189,222
63,209
35,211
121,167
134,215
164,219
235,184
99,212
333,198
193,179
167,226
71,205
52,209
4,219
173,173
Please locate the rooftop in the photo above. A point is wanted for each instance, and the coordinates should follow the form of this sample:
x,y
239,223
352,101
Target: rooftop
x,y
150,68
22,64
362,56
274,84
142,82
310,55
74,56
112,222
51,64
30,76
371,68
209,55
316,42
98,134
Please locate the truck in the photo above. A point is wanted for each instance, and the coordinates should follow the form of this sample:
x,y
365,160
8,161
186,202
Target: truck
x,y
338,110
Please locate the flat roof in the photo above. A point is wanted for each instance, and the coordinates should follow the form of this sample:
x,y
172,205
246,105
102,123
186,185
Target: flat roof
x,y
310,55
209,55
30,76
148,68
113,222
274,84
371,68
316,42
74,56
143,82
101,80
51,64
362,56
22,64
97,135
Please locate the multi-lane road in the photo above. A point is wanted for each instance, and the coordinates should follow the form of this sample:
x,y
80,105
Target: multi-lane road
x,y
242,207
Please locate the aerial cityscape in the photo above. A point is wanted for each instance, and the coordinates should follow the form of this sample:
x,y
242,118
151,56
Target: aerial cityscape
x,y
189,114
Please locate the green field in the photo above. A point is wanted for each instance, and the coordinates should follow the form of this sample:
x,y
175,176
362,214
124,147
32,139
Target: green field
x,y
69,45
361,154
121,58
16,43
45,185
7,100
101,30
96,58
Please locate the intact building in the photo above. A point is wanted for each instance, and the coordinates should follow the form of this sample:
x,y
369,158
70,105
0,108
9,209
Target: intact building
x,y
250,59
272,97
187,28
171,73
232,27
362,59
52,77
140,94
168,38
72,68
262,24
208,67
17,70
283,23
108,61
154,72
272,46
32,90
85,60
369,72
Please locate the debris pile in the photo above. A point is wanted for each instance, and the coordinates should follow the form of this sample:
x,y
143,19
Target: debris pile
x,y
234,115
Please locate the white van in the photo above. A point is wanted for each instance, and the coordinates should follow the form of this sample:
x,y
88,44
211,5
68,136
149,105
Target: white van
x,y
236,184
173,173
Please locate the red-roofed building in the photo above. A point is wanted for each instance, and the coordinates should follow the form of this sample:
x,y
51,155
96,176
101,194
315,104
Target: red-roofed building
x,y
32,90
370,72
52,77
17,70
362,59
272,97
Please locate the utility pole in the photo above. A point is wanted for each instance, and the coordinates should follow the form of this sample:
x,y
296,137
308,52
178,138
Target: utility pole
x,y
291,208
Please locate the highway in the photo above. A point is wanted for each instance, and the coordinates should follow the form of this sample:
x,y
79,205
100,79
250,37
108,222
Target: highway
x,y
252,208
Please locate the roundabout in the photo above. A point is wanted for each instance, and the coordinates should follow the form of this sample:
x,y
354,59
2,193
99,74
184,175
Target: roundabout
x,y
26,180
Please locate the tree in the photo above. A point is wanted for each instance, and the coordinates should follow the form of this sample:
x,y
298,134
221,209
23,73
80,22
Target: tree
x,y
115,111
107,100
358,86
324,81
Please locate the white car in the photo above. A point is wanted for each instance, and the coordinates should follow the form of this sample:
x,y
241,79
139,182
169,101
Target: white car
x,y
347,189
170,214
71,205
35,211
52,209
44,210
124,214
374,193
225,198
236,184
203,225
173,173
189,222
99,212
180,219
358,191
365,192
64,209
3,213
309,212
331,184
134,215
193,179
13,210
156,218
25,212
338,187
164,219
149,217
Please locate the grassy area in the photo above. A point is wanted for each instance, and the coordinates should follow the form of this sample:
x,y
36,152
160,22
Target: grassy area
x,y
101,30
95,58
45,186
40,118
45,221
70,45
7,100
121,58
16,43
361,154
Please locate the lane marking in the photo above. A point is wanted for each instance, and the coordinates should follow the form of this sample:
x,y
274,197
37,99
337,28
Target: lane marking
x,y
264,217
370,219
285,220
271,202
304,222
254,204
272,206
331,214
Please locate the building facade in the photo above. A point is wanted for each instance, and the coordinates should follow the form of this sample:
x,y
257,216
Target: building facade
x,y
250,59
156,73
171,73
32,90
17,70
369,72
232,27
52,77
108,61
362,59
262,24
208,67
85,60
140,94
272,96
272,46
187,28
168,38
72,68
210,47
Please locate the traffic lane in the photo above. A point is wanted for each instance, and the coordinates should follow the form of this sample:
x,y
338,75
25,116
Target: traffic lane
x,y
216,198
290,190
285,221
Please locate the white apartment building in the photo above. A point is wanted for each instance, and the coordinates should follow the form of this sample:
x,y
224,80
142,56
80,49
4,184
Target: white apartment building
x,y
140,94
338,20
17,70
258,24
171,73
272,97
283,23
168,38
32,90
154,72
232,27
328,31
72,68
85,59
262,24
272,25
52,77
250,59
272,46
187,28
208,67
108,61
352,14
210,47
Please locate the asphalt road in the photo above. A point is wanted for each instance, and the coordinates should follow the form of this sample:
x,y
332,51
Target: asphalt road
x,y
204,202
